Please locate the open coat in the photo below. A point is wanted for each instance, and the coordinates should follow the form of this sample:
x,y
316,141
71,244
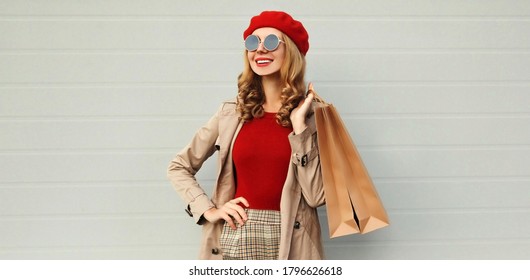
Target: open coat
x,y
301,195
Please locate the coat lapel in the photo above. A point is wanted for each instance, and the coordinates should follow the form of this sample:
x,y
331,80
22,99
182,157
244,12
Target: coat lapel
x,y
229,126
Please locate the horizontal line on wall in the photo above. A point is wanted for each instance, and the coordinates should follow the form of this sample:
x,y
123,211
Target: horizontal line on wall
x,y
423,83
236,51
334,243
327,83
181,215
211,84
209,182
456,211
419,51
99,85
106,118
204,117
393,212
122,18
451,115
99,216
114,248
103,151
245,18
90,184
420,83
450,179
477,147
414,18
164,150
119,52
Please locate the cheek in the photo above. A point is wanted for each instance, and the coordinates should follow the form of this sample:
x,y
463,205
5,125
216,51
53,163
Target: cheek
x,y
250,61
281,56
279,61
249,57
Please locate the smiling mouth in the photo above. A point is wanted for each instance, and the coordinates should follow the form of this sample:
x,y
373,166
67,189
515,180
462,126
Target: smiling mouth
x,y
263,62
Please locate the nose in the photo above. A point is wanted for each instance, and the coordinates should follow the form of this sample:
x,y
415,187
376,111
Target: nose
x,y
261,48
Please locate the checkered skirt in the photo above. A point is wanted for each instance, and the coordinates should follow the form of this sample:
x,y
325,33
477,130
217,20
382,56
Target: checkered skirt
x,y
257,239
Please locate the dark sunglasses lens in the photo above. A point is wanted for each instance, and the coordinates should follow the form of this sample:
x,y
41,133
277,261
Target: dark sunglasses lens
x,y
251,43
271,42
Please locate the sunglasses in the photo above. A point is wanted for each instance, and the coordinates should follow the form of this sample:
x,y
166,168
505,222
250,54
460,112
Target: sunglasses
x,y
270,43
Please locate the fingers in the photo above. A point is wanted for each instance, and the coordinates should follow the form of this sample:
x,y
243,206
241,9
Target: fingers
x,y
232,210
310,87
306,103
310,94
229,212
240,200
229,220
309,98
311,90
224,214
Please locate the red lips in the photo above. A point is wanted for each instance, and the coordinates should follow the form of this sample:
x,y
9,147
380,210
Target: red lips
x,y
263,61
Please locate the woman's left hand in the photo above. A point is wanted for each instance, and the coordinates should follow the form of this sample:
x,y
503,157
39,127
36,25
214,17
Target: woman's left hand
x,y
298,115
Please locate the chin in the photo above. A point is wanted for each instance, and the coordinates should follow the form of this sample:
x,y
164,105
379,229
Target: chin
x,y
265,72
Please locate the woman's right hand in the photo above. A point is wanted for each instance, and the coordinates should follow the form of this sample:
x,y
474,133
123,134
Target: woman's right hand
x,y
229,211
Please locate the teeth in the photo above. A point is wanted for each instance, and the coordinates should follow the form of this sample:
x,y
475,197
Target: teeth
x,y
263,61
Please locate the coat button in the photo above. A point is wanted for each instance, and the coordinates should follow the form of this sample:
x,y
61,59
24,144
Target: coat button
x,y
215,251
297,225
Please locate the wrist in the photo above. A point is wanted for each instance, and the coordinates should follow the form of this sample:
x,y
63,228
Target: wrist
x,y
209,213
299,128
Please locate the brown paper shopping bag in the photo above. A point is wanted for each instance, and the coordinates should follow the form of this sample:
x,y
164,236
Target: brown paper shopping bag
x,y
352,202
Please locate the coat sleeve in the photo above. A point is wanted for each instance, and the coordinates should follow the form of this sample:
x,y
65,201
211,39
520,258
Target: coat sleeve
x,y
305,157
182,169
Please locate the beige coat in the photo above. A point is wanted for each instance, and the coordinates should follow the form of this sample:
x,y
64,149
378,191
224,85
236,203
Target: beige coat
x,y
302,192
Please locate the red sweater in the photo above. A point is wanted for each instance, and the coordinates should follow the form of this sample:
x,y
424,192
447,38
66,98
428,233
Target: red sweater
x,y
261,155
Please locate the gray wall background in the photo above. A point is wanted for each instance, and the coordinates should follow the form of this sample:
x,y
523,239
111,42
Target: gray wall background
x,y
96,97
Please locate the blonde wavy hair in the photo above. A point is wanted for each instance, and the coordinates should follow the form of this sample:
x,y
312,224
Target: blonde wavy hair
x,y
251,97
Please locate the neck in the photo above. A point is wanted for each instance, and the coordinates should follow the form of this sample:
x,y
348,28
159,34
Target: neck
x,y
273,89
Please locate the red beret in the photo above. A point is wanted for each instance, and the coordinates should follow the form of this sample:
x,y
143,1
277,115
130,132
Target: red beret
x,y
283,22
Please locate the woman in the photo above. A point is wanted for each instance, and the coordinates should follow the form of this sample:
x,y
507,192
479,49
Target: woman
x,y
269,183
